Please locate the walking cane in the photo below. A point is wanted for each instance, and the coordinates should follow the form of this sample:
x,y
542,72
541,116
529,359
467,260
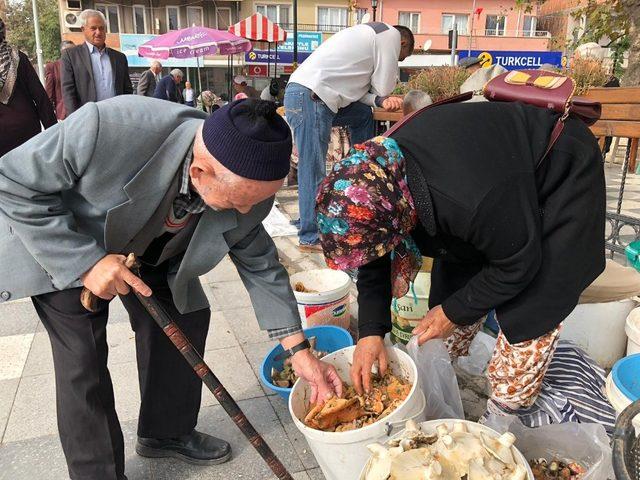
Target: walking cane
x,y
182,343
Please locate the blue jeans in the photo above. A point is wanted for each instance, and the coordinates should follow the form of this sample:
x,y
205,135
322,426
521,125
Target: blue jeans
x,y
311,121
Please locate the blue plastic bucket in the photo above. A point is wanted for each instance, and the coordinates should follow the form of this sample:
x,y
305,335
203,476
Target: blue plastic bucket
x,y
328,339
626,376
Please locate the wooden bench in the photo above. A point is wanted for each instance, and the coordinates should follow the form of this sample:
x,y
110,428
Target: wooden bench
x,y
620,118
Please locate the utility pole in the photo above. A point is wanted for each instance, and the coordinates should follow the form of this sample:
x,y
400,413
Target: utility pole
x,y
454,43
295,33
473,16
36,27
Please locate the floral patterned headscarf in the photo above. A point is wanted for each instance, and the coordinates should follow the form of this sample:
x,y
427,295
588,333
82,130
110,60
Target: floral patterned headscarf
x,y
365,210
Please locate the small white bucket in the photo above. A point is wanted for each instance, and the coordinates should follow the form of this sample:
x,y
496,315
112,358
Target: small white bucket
x,y
632,328
341,455
329,303
473,427
585,326
619,400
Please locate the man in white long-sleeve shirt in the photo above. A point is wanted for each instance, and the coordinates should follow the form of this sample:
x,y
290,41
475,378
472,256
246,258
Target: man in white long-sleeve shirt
x,y
338,85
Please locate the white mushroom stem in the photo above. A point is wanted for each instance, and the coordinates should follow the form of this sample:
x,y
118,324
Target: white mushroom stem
x,y
459,427
507,439
448,442
442,430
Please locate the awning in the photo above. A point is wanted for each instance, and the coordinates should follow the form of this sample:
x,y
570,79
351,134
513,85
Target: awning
x,y
257,27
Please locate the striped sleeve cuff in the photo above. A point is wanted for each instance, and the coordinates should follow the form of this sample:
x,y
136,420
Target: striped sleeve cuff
x,y
278,333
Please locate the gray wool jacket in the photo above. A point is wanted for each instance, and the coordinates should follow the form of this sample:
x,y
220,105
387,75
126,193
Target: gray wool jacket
x,y
87,186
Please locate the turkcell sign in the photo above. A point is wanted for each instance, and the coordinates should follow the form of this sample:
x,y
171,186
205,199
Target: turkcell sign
x,y
512,60
307,43
263,56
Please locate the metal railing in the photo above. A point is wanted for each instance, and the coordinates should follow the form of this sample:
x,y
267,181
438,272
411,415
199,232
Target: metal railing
x,y
314,27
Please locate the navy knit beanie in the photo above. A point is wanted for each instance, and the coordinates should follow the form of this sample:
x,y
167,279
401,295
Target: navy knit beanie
x,y
249,138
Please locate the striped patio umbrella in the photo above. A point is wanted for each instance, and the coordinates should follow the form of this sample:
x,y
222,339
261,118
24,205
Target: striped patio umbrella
x,y
259,28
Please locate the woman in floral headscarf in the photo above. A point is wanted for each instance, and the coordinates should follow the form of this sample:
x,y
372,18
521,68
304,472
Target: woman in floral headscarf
x,y
459,183
24,104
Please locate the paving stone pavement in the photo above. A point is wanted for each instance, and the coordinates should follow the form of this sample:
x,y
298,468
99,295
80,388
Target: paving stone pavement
x,y
29,444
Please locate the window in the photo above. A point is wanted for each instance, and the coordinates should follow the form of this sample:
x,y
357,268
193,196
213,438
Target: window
x,y
173,18
276,13
360,13
111,13
496,25
332,19
410,20
74,4
529,26
194,16
139,19
460,21
223,18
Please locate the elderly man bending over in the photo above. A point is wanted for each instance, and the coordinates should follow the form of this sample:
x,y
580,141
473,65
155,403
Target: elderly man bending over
x,y
180,190
168,88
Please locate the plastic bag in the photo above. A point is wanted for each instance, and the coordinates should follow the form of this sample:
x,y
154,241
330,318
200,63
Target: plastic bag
x,y
480,352
437,379
584,443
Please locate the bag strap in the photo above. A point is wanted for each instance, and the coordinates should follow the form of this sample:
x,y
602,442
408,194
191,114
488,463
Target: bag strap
x,y
458,98
555,135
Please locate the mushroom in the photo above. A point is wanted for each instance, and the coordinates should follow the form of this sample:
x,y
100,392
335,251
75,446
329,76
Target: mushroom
x,y
500,447
418,464
380,463
477,471
520,473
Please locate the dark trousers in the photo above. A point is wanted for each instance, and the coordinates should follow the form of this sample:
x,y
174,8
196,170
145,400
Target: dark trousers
x,y
170,391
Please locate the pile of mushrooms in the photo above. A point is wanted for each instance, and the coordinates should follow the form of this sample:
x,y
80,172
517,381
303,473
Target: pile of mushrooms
x,y
445,455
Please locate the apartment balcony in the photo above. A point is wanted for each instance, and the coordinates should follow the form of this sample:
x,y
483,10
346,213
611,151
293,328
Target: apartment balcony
x,y
510,40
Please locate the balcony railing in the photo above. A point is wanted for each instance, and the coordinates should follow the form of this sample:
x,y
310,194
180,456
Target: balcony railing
x,y
314,27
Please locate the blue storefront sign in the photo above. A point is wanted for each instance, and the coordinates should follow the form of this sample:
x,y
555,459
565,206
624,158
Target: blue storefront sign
x,y
307,43
512,60
129,43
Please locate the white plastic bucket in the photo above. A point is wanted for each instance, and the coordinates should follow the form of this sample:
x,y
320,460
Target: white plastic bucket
x,y
329,303
619,400
598,328
473,427
341,455
632,329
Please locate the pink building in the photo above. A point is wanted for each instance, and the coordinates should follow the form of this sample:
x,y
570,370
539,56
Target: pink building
x,y
494,24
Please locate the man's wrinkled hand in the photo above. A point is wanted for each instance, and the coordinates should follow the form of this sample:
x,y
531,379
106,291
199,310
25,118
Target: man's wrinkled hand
x,y
110,277
392,104
369,350
435,324
322,377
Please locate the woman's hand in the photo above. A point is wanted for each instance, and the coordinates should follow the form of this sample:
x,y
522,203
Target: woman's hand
x,y
435,324
368,351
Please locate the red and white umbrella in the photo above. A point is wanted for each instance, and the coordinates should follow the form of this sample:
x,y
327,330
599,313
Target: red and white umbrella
x,y
259,28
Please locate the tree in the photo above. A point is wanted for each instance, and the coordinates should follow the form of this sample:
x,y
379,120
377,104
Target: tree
x,y
616,22
20,30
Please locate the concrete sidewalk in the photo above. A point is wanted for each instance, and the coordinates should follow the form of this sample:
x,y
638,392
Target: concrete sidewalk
x,y
29,444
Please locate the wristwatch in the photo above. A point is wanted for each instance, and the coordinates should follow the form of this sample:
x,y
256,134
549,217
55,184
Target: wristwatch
x,y
379,101
293,350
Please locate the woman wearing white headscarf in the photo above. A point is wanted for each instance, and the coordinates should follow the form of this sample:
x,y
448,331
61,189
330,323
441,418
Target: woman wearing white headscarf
x,y
24,105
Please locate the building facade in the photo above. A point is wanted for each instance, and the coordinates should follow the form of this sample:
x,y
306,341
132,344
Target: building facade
x,y
483,25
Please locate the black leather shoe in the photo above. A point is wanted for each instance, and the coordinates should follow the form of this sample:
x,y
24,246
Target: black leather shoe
x,y
196,448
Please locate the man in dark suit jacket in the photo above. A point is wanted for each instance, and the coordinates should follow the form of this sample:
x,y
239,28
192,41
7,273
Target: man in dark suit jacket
x,y
148,80
167,88
53,82
92,71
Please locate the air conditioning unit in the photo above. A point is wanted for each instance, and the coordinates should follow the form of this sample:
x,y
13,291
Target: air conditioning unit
x,y
72,19
74,5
